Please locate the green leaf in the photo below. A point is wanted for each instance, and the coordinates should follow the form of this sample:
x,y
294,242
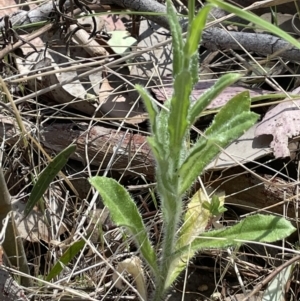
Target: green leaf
x,y
177,41
194,68
124,212
210,94
195,221
265,228
214,207
205,150
178,120
162,135
47,176
195,32
69,254
256,20
228,117
191,7
259,228
157,148
231,122
150,106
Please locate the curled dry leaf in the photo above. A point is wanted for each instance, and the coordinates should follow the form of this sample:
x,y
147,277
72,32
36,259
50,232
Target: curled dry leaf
x,y
95,94
75,95
134,267
282,122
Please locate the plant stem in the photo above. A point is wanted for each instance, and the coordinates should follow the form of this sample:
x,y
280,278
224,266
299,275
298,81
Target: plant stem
x,y
172,209
191,7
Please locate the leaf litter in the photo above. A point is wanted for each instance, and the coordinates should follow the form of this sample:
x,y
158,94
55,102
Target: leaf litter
x,y
281,122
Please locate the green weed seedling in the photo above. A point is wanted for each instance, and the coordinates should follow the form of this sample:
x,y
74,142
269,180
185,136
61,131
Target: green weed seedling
x,y
178,166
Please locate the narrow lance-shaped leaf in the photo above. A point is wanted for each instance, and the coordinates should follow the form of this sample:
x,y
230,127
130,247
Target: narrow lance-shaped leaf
x,y
194,68
195,32
233,128
124,212
195,220
204,152
256,20
196,217
227,116
177,41
178,119
47,176
210,94
162,135
215,206
231,123
69,254
150,106
156,148
259,228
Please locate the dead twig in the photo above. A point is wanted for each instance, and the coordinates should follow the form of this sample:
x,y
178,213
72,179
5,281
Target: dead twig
x,y
11,47
271,276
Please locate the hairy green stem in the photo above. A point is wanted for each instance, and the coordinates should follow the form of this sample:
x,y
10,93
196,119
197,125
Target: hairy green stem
x,y
171,209
167,249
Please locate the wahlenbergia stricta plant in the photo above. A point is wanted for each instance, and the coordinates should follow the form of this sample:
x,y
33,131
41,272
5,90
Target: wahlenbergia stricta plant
x,y
178,166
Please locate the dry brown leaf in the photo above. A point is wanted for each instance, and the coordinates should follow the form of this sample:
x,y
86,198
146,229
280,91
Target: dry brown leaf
x,y
157,61
245,149
35,226
7,7
166,92
282,122
81,95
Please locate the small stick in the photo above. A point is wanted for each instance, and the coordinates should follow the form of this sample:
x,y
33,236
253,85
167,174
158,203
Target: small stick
x,y
271,276
25,40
